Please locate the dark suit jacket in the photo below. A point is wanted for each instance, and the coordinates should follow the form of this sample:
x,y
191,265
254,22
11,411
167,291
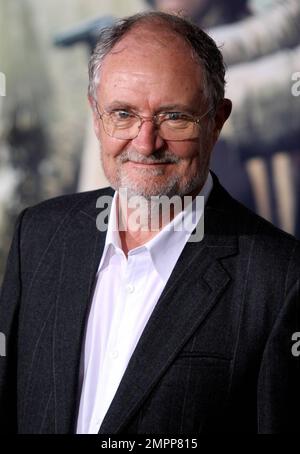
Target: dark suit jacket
x,y
215,355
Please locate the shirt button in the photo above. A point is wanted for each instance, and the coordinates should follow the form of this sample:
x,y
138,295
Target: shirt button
x,y
130,288
114,354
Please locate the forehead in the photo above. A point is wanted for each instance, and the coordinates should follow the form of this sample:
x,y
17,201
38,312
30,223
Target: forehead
x,y
152,61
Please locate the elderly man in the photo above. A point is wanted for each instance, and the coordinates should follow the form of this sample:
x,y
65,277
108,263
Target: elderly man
x,y
119,327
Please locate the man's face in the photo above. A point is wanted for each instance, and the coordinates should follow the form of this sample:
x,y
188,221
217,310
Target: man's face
x,y
147,73
192,8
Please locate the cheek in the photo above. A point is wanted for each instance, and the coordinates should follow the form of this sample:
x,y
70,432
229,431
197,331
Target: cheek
x,y
110,147
193,157
186,151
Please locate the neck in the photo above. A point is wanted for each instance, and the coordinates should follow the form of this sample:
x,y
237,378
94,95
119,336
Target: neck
x,y
140,220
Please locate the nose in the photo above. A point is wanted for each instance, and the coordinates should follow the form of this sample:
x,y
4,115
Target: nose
x,y
148,139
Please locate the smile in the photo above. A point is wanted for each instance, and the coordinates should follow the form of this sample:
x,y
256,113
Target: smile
x,y
143,164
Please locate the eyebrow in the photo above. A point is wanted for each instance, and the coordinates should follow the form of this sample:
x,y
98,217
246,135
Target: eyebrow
x,y
179,107
118,104
167,107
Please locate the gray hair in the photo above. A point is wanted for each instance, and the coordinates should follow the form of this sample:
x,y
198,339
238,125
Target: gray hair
x,y
202,46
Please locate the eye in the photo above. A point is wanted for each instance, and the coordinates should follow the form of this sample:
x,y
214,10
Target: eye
x,y
122,118
121,115
175,116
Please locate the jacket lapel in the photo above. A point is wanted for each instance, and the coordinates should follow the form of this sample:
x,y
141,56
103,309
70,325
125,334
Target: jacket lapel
x,y
82,250
199,275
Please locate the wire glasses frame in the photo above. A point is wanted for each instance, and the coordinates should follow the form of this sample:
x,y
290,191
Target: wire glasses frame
x,y
174,126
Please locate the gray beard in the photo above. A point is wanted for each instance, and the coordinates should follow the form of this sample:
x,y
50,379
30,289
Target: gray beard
x,y
174,186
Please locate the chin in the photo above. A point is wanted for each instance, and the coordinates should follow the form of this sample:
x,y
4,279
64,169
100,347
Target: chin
x,y
148,191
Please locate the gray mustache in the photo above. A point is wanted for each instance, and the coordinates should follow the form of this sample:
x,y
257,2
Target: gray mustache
x,y
157,158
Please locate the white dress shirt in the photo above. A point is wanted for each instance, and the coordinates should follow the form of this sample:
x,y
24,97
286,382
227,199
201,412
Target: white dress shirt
x,y
126,292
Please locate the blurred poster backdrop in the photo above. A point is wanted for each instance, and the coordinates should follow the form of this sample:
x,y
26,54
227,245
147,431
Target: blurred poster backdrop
x,y
47,146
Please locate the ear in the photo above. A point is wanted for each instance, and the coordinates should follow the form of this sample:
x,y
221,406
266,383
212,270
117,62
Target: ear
x,y
223,112
96,119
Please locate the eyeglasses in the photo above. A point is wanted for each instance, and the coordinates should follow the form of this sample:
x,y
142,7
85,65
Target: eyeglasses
x,y
125,125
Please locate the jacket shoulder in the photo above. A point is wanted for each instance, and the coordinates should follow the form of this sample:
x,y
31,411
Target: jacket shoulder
x,y
244,220
68,202
39,223
274,251
62,206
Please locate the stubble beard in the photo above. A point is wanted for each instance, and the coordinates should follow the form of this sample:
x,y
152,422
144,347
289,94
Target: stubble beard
x,y
146,186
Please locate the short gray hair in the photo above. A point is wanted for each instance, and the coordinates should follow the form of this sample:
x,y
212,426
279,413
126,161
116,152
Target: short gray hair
x,y
202,46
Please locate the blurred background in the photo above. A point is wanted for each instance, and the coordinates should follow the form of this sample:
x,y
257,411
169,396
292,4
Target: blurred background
x,y
47,147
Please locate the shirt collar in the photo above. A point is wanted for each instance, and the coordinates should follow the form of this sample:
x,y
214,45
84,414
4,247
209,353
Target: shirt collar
x,y
165,248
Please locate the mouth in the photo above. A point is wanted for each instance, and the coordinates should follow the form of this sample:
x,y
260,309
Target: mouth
x,y
148,164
